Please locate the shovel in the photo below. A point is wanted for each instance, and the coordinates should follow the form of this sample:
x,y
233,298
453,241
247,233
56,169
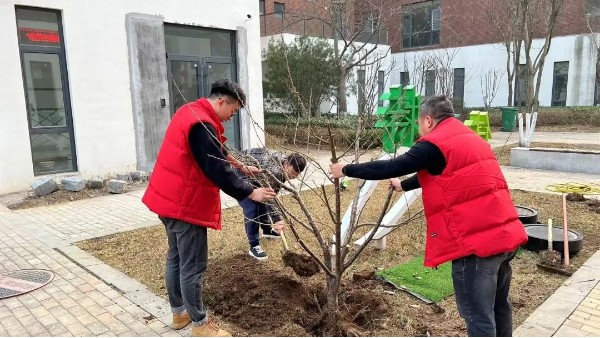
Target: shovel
x,y
551,260
302,265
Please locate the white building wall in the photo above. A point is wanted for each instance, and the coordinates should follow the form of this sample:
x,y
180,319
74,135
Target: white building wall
x,y
99,78
578,50
382,51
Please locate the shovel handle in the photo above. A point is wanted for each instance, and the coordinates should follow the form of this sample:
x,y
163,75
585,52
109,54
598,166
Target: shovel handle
x,y
565,231
285,245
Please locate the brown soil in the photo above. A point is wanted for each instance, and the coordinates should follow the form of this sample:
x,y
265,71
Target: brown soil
x,y
266,302
302,265
575,197
551,258
61,196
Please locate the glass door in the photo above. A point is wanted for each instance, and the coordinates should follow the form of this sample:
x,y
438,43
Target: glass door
x,y
183,80
46,87
216,69
50,128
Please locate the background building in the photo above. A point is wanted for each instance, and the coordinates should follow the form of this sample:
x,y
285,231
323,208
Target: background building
x,y
89,88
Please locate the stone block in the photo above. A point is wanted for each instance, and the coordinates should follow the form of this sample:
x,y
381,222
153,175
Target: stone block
x,y
136,175
124,177
96,183
116,186
73,183
44,186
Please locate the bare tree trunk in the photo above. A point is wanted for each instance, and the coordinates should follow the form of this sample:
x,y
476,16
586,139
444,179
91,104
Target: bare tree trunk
x,y
332,305
342,100
510,75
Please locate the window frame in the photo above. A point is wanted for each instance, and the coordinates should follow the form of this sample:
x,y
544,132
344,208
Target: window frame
x,y
276,13
430,91
433,8
559,103
458,84
59,51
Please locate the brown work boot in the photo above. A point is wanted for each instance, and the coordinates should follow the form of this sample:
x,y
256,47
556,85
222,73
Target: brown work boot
x,y
180,320
209,329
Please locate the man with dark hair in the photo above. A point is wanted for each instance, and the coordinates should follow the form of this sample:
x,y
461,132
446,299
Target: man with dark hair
x,y
275,170
471,219
191,167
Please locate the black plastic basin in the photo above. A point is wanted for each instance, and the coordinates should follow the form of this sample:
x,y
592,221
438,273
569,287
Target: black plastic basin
x,y
527,215
538,239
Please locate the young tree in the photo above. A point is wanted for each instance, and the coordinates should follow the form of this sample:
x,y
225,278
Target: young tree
x,y
315,237
490,82
307,62
358,30
505,18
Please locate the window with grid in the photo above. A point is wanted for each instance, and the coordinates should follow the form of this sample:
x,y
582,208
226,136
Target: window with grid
x,y
279,10
592,7
421,24
459,83
404,79
559,85
430,82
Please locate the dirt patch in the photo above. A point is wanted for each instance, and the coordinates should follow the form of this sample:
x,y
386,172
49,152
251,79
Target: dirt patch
x,y
61,196
575,197
302,265
267,302
503,152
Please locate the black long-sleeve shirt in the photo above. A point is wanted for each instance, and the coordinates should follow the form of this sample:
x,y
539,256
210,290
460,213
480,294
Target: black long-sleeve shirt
x,y
211,157
421,156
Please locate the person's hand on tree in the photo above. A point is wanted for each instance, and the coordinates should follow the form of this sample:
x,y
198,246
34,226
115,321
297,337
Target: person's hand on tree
x,y
395,184
262,194
335,170
249,170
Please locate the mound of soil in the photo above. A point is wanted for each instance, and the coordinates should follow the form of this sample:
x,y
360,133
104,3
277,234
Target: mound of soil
x,y
267,302
302,265
575,197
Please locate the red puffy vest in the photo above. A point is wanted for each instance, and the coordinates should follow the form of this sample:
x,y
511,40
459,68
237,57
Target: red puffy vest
x,y
178,188
468,207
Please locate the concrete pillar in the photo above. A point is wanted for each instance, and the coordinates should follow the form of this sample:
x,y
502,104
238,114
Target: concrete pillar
x,y
149,85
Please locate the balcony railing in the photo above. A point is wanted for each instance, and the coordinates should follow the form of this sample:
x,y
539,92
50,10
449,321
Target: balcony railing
x,y
300,24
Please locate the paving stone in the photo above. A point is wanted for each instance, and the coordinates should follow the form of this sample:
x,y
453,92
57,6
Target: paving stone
x,y
47,320
97,328
590,329
567,331
56,329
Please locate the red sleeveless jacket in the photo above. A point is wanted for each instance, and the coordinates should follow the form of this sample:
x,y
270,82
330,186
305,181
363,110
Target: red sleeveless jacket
x,y
178,188
468,207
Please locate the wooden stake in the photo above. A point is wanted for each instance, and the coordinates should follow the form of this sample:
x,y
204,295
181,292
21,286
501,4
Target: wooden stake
x,y
565,231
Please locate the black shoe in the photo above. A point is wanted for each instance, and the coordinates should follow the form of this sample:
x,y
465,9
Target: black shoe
x,y
258,253
271,234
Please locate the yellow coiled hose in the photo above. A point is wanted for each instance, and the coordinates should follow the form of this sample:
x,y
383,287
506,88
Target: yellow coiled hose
x,y
576,188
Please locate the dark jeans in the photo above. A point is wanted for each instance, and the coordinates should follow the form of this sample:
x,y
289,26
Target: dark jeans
x,y
481,286
186,261
257,215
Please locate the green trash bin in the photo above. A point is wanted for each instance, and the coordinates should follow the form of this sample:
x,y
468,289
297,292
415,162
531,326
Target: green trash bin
x,y
509,118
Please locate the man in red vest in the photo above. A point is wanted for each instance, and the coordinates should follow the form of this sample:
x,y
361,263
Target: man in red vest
x,y
191,168
471,219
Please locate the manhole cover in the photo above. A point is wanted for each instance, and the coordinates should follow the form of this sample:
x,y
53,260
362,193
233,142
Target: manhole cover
x,y
16,283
